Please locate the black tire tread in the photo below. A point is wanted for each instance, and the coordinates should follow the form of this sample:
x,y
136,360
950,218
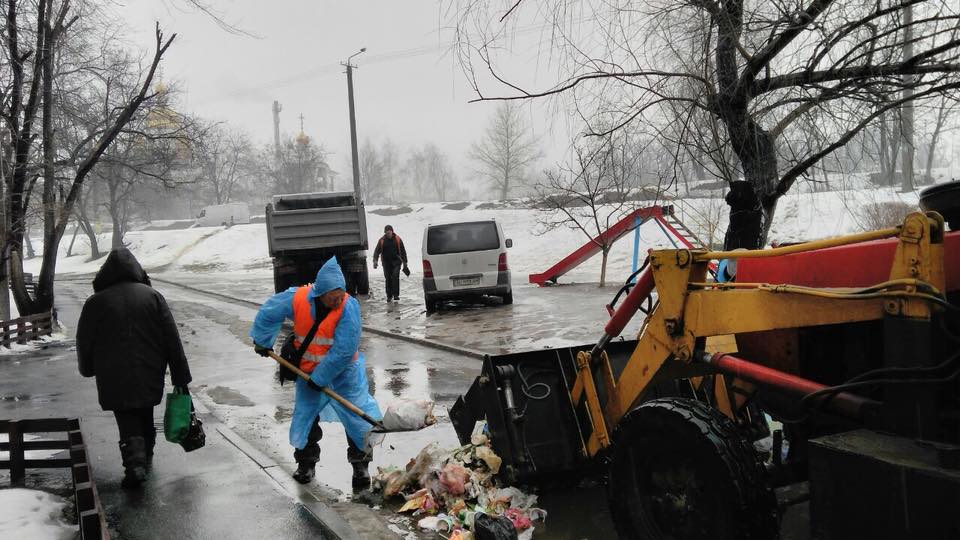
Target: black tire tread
x,y
757,512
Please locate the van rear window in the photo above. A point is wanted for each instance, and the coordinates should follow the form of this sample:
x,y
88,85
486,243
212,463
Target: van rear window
x,y
461,237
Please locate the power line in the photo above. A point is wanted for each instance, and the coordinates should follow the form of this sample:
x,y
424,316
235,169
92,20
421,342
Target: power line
x,y
327,70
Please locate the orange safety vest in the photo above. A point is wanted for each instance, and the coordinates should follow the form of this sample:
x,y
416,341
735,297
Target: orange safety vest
x,y
302,321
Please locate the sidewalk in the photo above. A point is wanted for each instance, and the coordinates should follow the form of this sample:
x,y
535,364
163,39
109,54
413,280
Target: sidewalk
x,y
218,491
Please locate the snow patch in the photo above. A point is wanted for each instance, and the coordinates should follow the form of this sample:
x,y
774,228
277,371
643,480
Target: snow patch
x,y
31,514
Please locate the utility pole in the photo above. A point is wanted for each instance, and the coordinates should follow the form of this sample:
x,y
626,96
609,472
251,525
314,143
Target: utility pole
x,y
276,128
353,124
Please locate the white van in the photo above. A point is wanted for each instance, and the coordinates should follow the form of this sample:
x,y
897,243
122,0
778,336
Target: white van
x,y
224,214
462,260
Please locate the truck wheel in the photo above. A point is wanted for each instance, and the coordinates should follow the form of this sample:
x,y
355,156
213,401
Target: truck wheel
x,y
431,305
363,282
350,282
507,298
681,470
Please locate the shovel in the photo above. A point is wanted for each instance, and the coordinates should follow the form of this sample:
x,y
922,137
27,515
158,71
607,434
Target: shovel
x,y
378,426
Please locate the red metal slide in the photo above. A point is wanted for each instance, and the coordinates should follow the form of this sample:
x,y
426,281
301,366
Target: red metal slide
x,y
663,216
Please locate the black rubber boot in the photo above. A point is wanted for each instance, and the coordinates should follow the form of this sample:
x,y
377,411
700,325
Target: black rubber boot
x,y
305,472
133,451
361,477
150,441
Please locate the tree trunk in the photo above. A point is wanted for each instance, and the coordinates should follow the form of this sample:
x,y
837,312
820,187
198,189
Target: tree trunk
x,y
117,236
885,173
26,239
73,239
752,201
942,114
906,120
603,265
87,227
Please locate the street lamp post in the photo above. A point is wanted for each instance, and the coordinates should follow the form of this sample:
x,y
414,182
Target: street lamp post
x,y
353,124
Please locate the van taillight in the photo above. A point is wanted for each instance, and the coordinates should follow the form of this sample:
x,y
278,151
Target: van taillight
x,y
427,270
502,265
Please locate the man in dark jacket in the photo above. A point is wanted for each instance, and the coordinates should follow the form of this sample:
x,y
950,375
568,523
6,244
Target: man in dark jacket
x,y
394,255
127,338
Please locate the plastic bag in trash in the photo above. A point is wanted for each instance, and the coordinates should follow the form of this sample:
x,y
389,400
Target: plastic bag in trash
x,y
409,415
487,527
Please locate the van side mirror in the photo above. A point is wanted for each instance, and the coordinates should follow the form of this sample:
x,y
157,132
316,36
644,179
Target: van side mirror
x,y
509,243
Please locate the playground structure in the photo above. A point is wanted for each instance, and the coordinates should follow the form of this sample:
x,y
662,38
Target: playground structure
x,y
674,229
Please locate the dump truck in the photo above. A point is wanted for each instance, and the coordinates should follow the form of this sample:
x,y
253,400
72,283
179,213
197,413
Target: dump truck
x,y
815,396
306,229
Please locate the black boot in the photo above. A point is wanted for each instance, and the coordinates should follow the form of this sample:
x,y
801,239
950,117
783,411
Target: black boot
x,y
133,451
305,472
361,477
150,441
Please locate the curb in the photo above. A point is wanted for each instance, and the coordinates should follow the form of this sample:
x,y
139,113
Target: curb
x,y
333,525
425,342
369,328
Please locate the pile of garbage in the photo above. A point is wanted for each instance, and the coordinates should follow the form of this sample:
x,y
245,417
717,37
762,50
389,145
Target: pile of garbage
x,y
455,492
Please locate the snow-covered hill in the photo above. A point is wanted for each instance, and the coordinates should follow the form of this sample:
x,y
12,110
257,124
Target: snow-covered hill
x,y
242,249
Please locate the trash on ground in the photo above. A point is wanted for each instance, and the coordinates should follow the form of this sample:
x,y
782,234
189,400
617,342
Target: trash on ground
x,y
455,492
409,415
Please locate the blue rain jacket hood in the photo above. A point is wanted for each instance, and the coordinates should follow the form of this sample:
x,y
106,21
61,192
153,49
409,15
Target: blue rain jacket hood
x,y
329,277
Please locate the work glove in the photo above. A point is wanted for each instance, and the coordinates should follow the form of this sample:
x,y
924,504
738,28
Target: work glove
x,y
406,270
262,351
314,385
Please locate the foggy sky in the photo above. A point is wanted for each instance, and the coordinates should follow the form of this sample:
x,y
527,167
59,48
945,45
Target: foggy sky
x,y
408,85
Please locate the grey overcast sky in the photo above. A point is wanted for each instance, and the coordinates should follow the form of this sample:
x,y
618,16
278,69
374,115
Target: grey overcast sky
x,y
408,85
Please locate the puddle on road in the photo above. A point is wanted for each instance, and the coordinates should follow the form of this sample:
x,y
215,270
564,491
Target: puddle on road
x,y
222,395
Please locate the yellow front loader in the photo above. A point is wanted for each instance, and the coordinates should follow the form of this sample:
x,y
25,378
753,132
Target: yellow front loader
x,y
822,380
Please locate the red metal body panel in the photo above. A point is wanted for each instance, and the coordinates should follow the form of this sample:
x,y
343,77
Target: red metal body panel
x,y
631,304
591,248
856,265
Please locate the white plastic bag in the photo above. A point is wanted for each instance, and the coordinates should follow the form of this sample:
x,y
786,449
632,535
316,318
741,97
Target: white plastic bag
x,y
409,415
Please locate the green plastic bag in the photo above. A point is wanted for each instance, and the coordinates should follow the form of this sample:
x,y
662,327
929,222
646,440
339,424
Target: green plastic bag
x,y
176,419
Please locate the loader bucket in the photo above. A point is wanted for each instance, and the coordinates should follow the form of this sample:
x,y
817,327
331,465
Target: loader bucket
x,y
521,401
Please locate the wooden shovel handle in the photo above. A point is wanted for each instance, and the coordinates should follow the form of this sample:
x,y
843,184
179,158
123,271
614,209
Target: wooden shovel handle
x,y
335,396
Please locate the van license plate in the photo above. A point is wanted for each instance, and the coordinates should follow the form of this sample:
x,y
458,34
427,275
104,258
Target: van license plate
x,y
466,282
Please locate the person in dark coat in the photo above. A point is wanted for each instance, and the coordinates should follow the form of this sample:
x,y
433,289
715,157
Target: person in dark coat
x,y
126,338
394,256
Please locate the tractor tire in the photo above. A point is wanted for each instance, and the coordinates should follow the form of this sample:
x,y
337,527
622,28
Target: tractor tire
x,y
680,470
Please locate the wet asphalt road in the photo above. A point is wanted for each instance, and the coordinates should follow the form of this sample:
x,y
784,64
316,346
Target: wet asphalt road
x,y
540,317
237,386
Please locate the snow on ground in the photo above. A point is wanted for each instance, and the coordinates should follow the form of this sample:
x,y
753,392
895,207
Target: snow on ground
x,y
33,515
242,250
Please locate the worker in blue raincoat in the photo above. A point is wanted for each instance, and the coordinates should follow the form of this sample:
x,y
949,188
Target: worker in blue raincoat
x,y
332,359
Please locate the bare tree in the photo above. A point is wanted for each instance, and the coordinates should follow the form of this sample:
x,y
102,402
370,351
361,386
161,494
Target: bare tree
x,y
378,171
32,98
942,112
588,194
506,151
756,68
427,173
223,157
302,166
